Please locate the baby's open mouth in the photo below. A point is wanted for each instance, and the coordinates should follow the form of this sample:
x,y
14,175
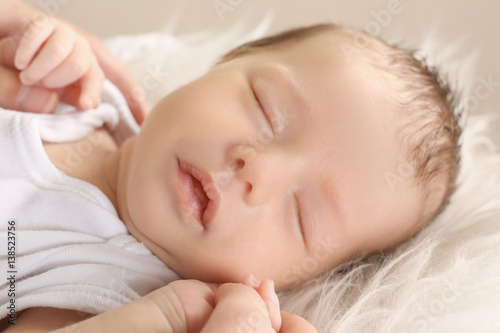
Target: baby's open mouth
x,y
200,194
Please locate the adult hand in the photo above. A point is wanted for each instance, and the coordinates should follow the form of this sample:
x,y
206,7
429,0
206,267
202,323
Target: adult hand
x,y
119,75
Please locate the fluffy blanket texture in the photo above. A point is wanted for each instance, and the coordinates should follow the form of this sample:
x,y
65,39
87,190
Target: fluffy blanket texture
x,y
444,279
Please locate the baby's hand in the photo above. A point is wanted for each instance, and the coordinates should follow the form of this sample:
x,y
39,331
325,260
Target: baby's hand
x,y
266,291
195,306
251,307
282,322
51,54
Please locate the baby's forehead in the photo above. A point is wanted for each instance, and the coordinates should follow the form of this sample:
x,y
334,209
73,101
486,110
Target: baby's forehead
x,y
352,45
339,47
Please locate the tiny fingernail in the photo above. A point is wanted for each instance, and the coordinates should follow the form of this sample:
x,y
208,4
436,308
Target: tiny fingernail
x,y
35,99
20,63
51,103
253,281
272,292
274,295
21,96
25,79
269,306
91,102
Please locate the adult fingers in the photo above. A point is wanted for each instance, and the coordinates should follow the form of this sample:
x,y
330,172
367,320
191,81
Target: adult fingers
x,y
15,96
238,308
135,97
295,324
120,76
8,47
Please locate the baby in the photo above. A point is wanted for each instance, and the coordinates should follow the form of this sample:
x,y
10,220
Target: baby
x,y
288,149
293,154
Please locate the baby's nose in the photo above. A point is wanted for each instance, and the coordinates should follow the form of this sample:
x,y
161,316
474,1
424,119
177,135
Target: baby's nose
x,y
262,174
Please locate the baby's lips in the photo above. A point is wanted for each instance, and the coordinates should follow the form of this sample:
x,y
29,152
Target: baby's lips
x,y
36,99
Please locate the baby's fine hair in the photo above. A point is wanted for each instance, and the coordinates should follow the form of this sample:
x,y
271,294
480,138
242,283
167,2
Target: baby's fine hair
x,y
422,99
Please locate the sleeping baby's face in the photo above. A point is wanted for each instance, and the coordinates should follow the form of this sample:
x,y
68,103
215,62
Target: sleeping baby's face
x,y
274,163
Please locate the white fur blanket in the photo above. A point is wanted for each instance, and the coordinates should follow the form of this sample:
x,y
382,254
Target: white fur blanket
x,y
445,279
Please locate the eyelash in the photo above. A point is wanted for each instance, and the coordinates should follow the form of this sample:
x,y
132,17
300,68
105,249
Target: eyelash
x,y
263,110
299,220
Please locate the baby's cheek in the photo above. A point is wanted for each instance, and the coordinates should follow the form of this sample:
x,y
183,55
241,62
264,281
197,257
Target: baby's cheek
x,y
204,264
145,201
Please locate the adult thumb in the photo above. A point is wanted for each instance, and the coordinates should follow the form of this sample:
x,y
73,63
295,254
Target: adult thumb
x,y
15,96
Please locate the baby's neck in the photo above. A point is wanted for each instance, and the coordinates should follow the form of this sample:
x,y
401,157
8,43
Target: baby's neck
x,y
98,167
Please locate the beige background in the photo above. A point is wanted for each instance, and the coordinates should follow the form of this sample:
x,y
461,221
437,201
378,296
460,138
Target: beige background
x,y
476,23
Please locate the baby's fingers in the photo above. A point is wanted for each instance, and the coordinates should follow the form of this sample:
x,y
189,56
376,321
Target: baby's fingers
x,y
295,324
238,308
269,296
91,87
85,93
57,48
71,70
266,291
33,37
